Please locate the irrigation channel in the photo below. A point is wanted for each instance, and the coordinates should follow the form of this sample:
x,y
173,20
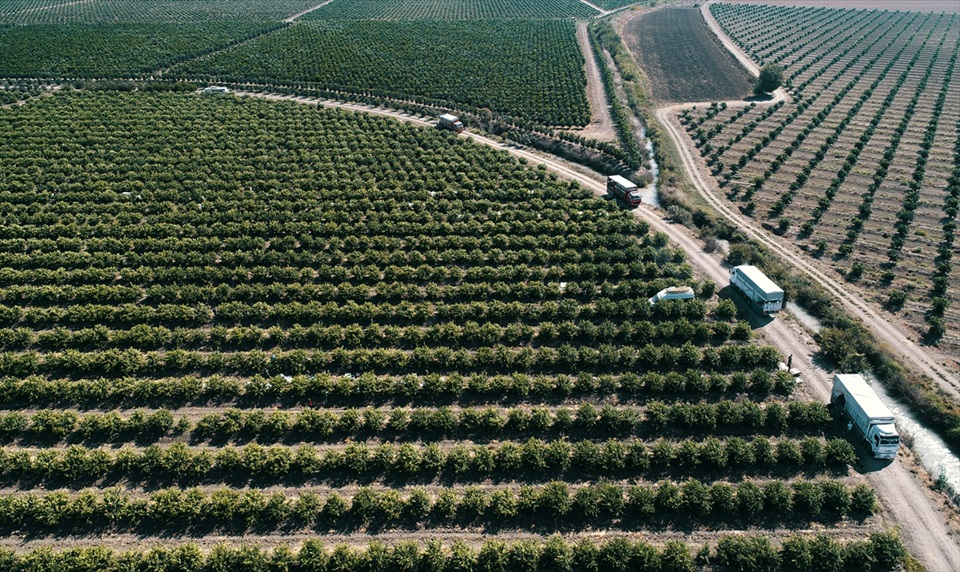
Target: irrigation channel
x,y
649,193
932,451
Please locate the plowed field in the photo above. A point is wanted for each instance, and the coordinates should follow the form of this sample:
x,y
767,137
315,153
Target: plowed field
x,y
683,59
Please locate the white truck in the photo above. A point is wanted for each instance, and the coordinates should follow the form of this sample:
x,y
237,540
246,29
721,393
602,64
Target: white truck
x,y
766,296
623,189
673,293
869,416
451,122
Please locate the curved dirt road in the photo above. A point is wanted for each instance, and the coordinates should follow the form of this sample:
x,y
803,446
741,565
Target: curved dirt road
x,y
887,329
889,334
902,494
732,47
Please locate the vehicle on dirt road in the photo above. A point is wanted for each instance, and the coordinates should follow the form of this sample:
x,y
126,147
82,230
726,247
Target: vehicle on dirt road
x,y
451,122
623,189
866,414
765,296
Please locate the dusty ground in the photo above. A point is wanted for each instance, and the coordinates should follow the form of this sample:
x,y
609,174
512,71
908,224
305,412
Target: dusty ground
x,y
128,542
601,124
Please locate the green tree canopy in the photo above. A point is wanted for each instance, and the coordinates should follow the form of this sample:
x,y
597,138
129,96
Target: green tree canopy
x,y
771,77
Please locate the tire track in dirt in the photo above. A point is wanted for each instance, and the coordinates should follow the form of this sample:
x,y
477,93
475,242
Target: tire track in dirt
x,y
601,123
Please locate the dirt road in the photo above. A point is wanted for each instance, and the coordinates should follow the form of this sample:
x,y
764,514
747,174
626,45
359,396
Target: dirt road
x,y
732,47
601,124
597,8
290,19
900,493
888,329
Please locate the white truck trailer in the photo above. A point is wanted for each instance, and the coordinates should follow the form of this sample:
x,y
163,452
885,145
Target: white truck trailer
x,y
866,414
757,288
624,189
673,293
451,122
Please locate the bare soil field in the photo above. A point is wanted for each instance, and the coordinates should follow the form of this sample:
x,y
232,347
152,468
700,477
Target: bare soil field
x,y
683,59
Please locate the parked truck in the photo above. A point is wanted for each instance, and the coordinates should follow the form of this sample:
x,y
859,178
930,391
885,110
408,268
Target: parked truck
x,y
673,293
866,414
451,122
762,293
621,188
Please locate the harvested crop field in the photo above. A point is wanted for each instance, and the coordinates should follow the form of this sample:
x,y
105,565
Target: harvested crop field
x,y
683,59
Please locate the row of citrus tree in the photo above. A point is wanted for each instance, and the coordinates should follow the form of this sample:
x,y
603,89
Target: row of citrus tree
x,y
655,418
533,459
554,505
755,553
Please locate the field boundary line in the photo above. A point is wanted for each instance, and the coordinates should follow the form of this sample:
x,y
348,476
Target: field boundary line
x,y
159,73
597,8
290,19
731,46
